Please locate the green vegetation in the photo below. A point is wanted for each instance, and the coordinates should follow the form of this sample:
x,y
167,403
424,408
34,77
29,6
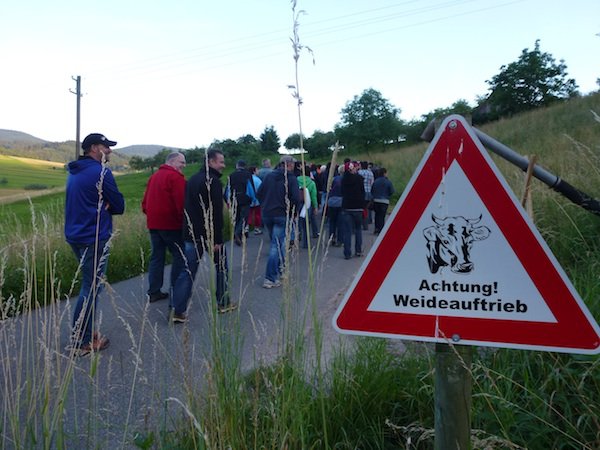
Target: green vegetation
x,y
370,395
533,81
18,173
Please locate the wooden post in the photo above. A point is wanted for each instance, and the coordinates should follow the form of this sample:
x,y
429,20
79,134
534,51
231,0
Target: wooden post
x,y
453,387
526,201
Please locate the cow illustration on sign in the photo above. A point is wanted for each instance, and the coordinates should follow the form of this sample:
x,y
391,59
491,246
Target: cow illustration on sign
x,y
450,240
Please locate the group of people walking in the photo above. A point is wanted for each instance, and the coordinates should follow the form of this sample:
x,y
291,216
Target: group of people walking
x,y
187,219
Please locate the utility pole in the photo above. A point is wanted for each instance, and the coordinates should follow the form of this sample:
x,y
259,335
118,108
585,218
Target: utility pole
x,y
78,124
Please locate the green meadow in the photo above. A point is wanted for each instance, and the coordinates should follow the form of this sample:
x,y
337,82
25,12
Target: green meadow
x,y
20,173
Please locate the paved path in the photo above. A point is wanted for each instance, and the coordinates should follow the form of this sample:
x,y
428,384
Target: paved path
x,y
150,360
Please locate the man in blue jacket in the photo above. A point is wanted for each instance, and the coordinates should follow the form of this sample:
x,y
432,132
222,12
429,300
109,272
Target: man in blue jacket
x,y
92,199
279,198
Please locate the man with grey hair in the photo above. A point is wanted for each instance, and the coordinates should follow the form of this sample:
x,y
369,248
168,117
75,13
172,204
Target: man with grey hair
x,y
265,169
163,205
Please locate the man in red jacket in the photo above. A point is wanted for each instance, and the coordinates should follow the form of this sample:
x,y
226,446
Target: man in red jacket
x,y
163,205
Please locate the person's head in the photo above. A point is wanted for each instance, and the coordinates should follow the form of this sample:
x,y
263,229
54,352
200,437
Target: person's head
x,y
266,163
97,146
176,160
253,170
364,165
241,164
297,168
351,167
382,172
215,160
287,162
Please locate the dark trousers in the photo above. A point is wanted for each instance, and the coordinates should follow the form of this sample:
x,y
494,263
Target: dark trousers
x,y
380,210
161,240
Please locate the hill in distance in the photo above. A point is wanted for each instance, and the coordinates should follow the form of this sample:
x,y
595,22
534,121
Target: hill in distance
x,y
144,151
10,138
17,143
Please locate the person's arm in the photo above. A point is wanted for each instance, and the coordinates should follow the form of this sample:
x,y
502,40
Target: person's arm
x,y
112,197
312,190
216,200
391,188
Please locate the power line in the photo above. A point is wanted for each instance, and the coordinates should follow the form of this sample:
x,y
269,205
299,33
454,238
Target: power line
x,y
263,41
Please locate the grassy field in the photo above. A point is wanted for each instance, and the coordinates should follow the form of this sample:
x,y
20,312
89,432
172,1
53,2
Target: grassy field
x,y
17,173
364,397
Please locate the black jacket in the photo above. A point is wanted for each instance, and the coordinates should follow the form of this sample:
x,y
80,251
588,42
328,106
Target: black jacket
x,y
203,194
238,183
279,194
353,191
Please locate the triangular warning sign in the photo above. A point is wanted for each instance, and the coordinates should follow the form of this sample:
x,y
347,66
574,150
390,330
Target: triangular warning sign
x,y
460,261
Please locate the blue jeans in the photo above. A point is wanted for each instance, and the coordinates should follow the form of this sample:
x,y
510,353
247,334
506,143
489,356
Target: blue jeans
x,y
93,261
182,290
277,228
352,222
161,240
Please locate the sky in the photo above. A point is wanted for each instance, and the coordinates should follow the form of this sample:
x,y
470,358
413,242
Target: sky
x,y
184,73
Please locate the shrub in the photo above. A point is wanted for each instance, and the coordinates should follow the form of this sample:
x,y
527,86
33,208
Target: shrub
x,y
35,187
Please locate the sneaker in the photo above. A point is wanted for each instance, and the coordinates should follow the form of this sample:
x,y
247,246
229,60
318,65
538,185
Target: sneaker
x,y
157,296
268,284
227,308
359,254
179,318
258,231
98,344
347,257
237,240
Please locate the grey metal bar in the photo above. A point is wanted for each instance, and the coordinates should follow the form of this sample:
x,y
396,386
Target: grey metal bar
x,y
578,197
517,159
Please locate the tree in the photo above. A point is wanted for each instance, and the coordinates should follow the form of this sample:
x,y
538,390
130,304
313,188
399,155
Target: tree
x,y
367,120
137,163
247,139
269,140
319,143
412,130
534,80
195,155
293,141
230,148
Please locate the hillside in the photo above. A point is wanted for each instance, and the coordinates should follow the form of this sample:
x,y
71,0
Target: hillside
x,y
144,151
17,143
11,138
